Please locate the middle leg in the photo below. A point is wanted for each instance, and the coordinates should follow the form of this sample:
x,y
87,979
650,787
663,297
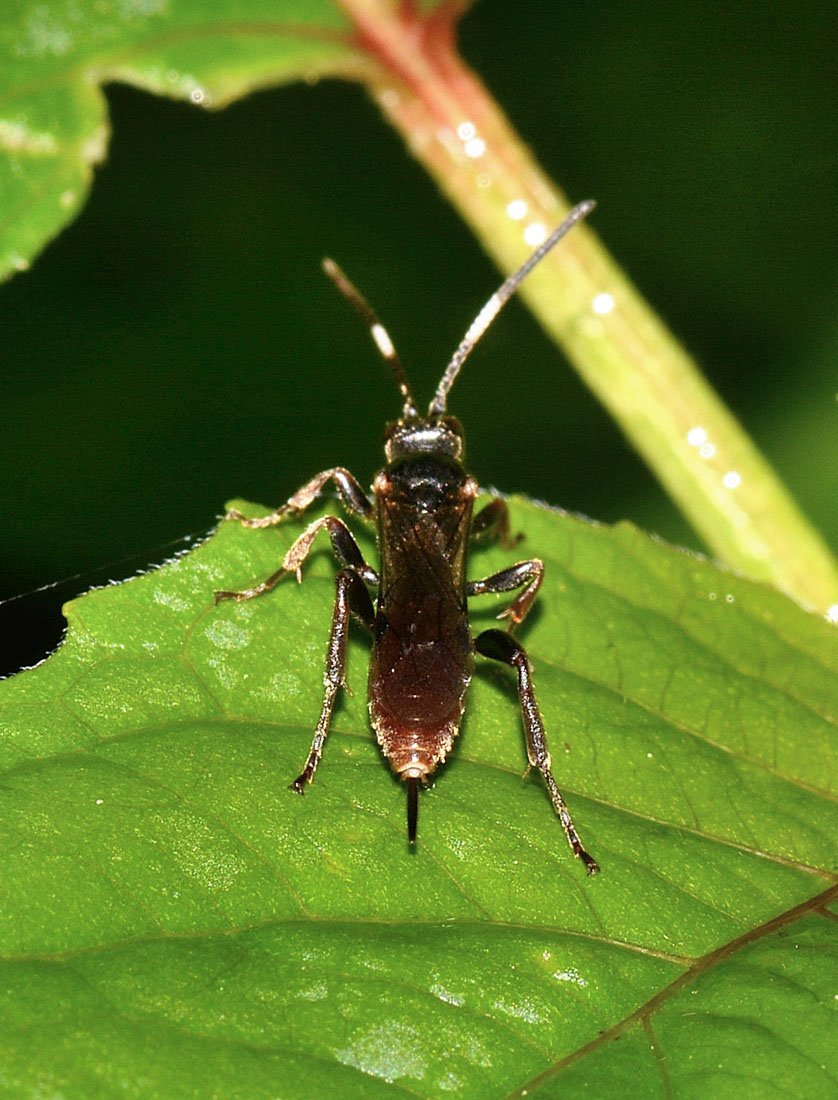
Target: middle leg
x,y
527,573
344,545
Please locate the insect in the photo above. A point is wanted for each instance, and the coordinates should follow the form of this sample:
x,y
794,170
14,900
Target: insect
x,y
422,651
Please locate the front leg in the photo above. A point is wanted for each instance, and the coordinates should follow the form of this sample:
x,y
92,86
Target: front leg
x,y
493,522
501,646
528,573
344,545
352,496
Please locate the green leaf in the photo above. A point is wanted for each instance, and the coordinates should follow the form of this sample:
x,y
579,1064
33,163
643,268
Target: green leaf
x,y
57,56
175,922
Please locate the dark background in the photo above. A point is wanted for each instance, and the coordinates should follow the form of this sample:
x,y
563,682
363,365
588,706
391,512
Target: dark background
x,y
177,345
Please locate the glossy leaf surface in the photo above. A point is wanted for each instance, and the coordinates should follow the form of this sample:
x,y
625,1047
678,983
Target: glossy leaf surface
x,y
176,922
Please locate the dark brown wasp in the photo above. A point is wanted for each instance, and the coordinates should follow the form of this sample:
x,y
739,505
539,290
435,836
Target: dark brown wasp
x,y
423,651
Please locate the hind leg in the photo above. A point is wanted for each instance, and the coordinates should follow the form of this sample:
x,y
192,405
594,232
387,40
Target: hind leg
x,y
501,646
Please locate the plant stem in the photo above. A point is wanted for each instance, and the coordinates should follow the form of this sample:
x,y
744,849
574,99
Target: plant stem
x,y
625,354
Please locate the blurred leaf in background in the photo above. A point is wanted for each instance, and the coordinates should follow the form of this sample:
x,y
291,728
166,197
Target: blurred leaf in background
x,y
177,343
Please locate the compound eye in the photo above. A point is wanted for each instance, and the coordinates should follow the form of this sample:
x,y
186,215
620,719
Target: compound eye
x,y
452,425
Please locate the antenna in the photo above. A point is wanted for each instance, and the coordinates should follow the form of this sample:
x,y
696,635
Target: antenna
x,y
377,331
498,300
